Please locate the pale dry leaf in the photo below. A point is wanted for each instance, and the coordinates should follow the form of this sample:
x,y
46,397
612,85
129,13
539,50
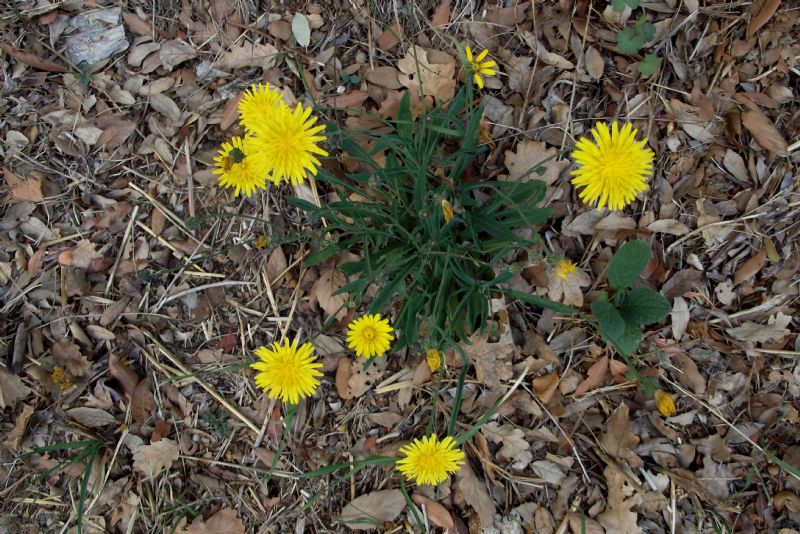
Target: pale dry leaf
x,y
29,190
92,417
301,29
12,389
550,472
223,522
476,495
276,264
680,317
759,333
764,131
425,78
668,226
594,377
618,440
622,497
760,13
492,361
689,375
515,448
175,52
330,279
532,157
136,24
68,355
362,380
545,56
13,439
247,55
80,256
594,63
373,509
750,267
152,459
735,165
725,292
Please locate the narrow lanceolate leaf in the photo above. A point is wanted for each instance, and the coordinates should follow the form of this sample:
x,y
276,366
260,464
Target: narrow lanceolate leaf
x,y
644,306
628,263
610,322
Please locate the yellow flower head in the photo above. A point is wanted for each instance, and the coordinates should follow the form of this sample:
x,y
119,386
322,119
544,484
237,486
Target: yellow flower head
x,y
447,210
429,461
613,169
665,403
287,372
434,359
236,169
284,144
481,68
564,268
257,102
369,336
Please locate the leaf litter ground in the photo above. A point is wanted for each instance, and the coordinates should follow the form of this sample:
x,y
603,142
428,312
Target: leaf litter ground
x,y
132,288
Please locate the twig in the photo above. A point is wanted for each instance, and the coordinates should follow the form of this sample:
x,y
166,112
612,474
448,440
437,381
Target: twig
x,y
122,246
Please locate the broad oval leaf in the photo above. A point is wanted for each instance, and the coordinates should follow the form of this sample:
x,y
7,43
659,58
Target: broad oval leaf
x,y
610,322
628,263
644,306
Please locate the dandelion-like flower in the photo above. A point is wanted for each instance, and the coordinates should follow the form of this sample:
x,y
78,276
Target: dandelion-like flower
x,y
284,144
447,211
369,336
564,268
236,170
614,168
430,461
287,372
665,403
257,102
434,359
481,68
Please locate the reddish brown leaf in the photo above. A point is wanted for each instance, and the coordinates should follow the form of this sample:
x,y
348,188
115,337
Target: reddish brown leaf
x,y
760,13
545,386
751,267
594,376
29,190
32,60
343,372
228,342
764,132
137,24
142,401
231,113
126,378
437,513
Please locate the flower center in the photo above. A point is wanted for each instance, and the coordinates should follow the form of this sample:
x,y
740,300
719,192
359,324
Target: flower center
x,y
616,163
368,333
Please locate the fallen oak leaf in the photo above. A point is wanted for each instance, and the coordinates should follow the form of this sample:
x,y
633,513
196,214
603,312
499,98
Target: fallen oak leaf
x,y
223,522
151,460
29,190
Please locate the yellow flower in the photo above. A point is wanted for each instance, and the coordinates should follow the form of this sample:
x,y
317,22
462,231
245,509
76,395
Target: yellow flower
x,y
613,169
257,102
287,372
480,67
665,403
284,144
60,378
236,170
429,461
564,268
261,241
434,359
369,336
447,210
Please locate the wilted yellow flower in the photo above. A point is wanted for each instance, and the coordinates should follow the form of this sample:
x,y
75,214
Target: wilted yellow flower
x,y
257,102
60,378
665,403
564,268
287,372
235,169
480,68
284,144
434,359
369,336
613,169
447,210
430,461
261,241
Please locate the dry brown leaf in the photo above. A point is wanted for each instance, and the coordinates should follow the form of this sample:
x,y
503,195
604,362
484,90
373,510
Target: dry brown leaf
x,y
735,165
550,472
689,376
81,256
751,267
276,264
248,55
223,522
764,131
343,373
12,389
389,38
92,417
373,509
775,330
492,361
545,386
142,401
618,517
231,113
29,190
515,448
124,375
595,64
348,100
760,13
361,380
680,318
425,78
668,226
476,495
69,356
13,438
436,512
387,77
618,440
32,60
440,18
115,133
330,279
594,376
155,458
137,24
532,156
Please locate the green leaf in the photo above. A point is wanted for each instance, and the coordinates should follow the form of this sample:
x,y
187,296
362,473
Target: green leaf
x,y
645,29
630,339
628,263
628,41
543,302
619,5
644,306
649,65
610,322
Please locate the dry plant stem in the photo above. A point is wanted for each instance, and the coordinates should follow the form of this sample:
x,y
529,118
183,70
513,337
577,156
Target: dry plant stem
x,y
205,385
179,294
567,437
718,414
165,211
263,430
189,179
573,508
122,246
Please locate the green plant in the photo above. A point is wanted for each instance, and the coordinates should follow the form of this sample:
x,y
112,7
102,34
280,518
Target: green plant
x,y
430,235
620,316
631,39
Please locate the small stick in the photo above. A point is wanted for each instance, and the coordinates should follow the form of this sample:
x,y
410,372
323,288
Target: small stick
x,y
189,179
122,247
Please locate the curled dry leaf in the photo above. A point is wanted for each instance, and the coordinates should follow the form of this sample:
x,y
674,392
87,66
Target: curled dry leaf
x,y
594,377
373,509
92,417
514,448
437,513
476,495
